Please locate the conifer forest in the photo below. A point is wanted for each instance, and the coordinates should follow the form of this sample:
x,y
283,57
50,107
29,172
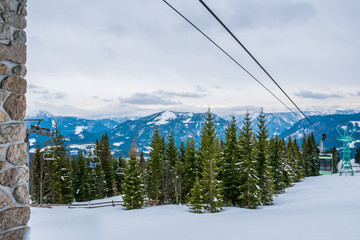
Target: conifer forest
x,y
246,169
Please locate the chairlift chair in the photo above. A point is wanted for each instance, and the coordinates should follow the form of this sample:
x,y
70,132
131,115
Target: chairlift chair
x,y
49,155
94,161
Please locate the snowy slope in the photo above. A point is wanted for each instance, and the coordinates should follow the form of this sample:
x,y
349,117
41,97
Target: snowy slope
x,y
321,208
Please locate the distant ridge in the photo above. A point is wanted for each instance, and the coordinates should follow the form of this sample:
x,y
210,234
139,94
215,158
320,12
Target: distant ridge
x,y
82,133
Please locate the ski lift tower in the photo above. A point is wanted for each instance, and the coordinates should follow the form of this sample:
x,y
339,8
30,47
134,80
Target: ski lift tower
x,y
346,138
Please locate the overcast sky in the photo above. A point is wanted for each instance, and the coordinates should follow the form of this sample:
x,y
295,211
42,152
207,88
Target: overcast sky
x,y
132,58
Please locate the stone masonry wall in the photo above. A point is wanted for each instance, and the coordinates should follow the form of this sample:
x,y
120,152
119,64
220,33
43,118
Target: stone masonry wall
x,y
14,172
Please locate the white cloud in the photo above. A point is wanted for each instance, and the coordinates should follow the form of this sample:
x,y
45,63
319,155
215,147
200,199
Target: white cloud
x,y
144,54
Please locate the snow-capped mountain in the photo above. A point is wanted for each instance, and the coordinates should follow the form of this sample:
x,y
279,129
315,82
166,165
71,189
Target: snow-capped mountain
x,y
327,124
183,125
82,133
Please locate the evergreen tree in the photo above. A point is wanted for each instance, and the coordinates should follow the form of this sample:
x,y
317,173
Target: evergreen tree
x,y
277,164
170,183
103,150
250,190
305,155
209,155
143,170
81,178
196,201
133,185
57,181
119,173
156,166
290,164
262,158
192,167
314,155
66,183
37,176
299,162
231,161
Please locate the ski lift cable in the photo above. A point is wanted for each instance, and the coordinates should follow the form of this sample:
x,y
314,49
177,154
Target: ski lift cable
x,y
248,52
227,54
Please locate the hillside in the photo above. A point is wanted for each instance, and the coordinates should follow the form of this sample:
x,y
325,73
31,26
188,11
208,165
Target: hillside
x,y
327,124
319,208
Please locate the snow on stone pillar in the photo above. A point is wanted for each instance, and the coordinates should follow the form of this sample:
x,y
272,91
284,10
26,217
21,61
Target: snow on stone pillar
x,y
14,172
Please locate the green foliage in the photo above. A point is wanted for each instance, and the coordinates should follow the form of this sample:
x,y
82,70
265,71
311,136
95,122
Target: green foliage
x,y
209,155
277,164
310,155
249,190
133,185
156,166
103,151
57,181
196,201
119,167
231,165
192,167
82,179
37,176
262,158
170,181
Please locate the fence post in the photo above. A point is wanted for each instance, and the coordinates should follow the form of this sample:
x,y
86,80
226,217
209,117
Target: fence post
x,y
113,204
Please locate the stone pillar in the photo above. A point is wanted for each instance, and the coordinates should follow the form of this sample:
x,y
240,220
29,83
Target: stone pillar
x,y
14,172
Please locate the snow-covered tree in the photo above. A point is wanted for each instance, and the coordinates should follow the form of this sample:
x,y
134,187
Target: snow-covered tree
x,y
262,158
196,201
209,155
133,185
231,165
155,172
37,175
192,167
249,190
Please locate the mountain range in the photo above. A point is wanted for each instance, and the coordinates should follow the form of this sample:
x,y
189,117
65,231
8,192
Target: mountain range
x,y
82,133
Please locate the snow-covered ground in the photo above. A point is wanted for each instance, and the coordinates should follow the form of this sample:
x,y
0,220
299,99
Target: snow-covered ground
x,y
321,208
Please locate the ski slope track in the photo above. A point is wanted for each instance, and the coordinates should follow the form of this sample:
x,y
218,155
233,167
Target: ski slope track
x,y
324,207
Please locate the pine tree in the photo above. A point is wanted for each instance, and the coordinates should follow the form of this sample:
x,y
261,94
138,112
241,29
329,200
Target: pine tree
x,y
305,155
144,172
192,167
81,178
262,157
37,176
196,201
250,190
119,173
170,183
156,166
209,155
314,155
103,150
299,162
133,185
290,164
277,164
57,181
66,181
231,160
